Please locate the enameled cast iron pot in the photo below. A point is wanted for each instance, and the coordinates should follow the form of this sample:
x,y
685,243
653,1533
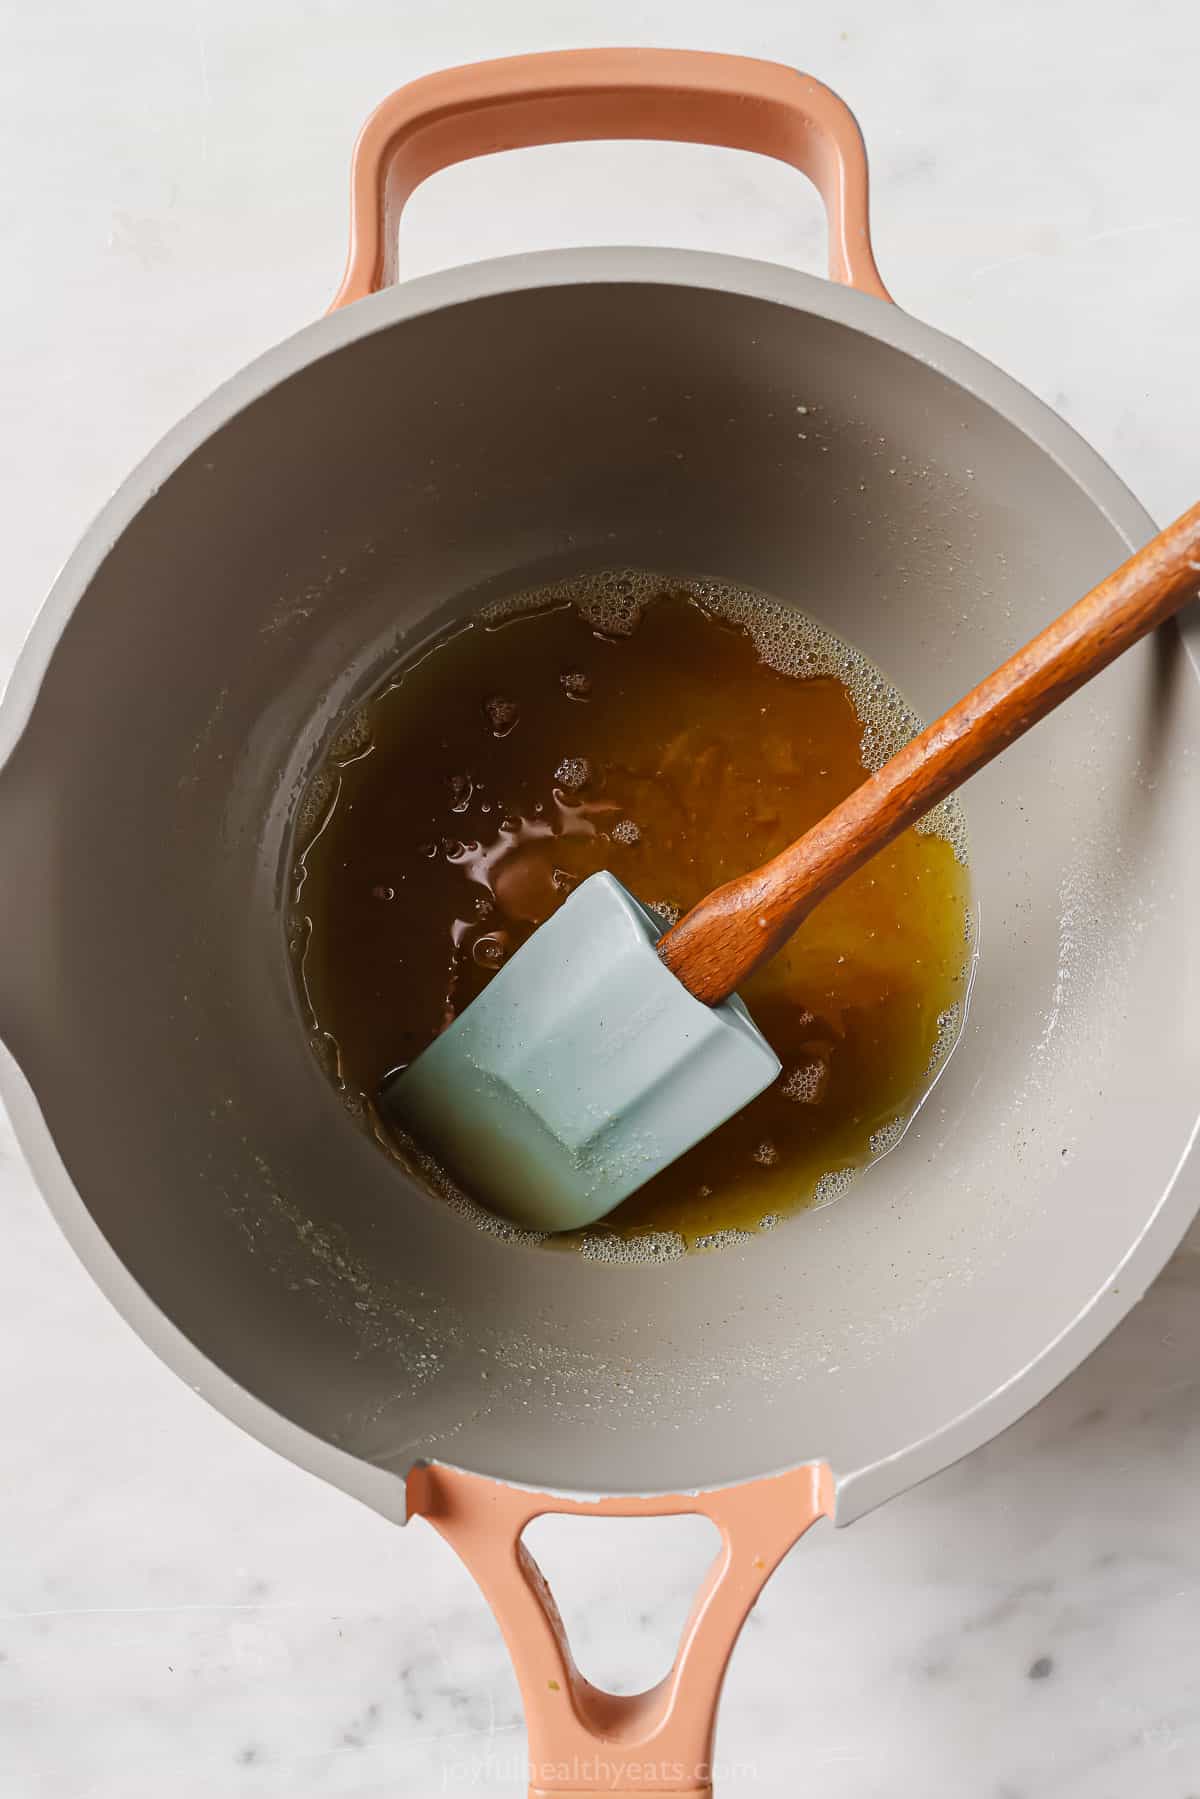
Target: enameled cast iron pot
x,y
472,432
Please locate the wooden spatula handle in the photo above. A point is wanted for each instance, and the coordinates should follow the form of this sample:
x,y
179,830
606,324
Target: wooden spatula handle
x,y
722,940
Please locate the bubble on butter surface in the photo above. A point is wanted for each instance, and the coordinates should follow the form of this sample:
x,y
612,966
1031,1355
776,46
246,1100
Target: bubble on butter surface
x,y
832,1185
648,1247
724,1239
805,1083
353,737
949,1025
315,804
887,1136
573,773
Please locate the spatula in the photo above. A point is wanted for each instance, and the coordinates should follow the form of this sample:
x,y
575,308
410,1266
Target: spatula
x,y
605,1047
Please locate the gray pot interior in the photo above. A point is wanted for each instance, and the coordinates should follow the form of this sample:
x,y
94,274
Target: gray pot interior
x,y
410,463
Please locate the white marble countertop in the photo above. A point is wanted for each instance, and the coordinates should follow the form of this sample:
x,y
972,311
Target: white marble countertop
x,y
183,1613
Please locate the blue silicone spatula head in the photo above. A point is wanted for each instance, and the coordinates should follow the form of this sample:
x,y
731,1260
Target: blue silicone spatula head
x,y
582,1068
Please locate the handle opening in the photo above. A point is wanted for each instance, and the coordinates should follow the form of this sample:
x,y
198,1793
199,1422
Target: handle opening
x,y
567,195
645,1623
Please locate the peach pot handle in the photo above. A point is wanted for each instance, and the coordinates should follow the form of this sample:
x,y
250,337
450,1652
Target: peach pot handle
x,y
567,96
583,1741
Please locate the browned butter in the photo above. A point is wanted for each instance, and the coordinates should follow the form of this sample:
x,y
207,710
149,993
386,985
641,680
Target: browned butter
x,y
677,733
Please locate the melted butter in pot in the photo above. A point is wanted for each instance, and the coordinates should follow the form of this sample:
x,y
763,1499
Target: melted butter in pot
x,y
677,734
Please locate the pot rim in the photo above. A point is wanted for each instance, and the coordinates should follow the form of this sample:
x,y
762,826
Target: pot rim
x,y
650,266
858,1490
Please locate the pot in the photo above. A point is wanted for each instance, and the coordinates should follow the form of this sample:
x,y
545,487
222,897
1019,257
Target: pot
x,y
427,445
